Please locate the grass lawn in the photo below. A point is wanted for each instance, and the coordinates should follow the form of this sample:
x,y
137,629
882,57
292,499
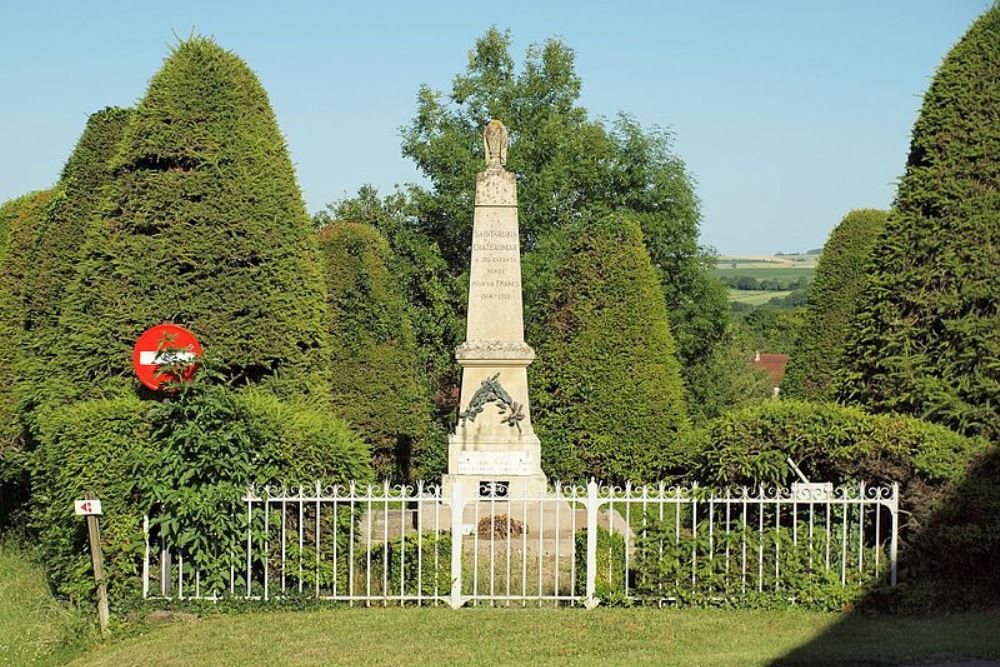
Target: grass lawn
x,y
35,629
492,637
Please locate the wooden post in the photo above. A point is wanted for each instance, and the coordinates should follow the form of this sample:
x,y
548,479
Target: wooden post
x,y
97,557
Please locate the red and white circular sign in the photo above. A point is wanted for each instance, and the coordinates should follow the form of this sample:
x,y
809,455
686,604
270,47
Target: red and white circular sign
x,y
163,345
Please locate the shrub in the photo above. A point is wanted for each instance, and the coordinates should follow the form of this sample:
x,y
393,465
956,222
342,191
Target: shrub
x,y
57,250
203,225
606,385
213,443
377,384
935,467
818,353
187,461
91,446
928,332
830,443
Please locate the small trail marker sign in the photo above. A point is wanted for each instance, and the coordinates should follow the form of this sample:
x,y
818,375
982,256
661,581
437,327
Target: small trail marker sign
x,y
88,507
160,346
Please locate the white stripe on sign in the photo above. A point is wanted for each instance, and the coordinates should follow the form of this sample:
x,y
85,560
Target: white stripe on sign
x,y
163,357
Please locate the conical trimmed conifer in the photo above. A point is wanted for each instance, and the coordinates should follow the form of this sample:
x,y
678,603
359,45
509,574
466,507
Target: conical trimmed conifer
x,y
378,386
928,336
58,250
834,296
203,225
607,396
20,221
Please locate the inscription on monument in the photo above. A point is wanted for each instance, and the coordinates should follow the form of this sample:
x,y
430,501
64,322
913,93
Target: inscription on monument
x,y
496,463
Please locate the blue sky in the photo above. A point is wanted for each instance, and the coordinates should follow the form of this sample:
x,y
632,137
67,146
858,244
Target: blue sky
x,y
788,113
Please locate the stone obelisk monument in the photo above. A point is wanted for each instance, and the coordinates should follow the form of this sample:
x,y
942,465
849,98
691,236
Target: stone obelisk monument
x,y
494,451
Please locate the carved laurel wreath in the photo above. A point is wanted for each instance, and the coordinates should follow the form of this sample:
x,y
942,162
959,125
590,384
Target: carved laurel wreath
x,y
491,391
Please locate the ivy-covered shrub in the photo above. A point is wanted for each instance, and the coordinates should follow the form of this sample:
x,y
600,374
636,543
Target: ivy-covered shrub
x,y
606,386
57,250
203,224
377,384
927,338
949,506
21,222
833,301
187,460
92,446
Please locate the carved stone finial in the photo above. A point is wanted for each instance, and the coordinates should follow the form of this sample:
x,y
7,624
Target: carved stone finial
x,y
496,141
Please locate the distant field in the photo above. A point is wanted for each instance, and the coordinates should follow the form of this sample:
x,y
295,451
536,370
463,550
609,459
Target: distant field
x,y
780,272
782,268
754,297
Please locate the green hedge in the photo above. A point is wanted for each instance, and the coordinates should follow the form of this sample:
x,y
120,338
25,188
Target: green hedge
x,y
58,249
187,460
203,224
829,442
950,517
928,333
834,297
606,386
833,301
21,222
91,446
377,382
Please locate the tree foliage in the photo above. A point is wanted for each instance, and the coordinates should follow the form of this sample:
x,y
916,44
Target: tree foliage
x,y
606,386
566,163
927,340
21,220
203,225
57,250
429,291
376,376
727,379
834,295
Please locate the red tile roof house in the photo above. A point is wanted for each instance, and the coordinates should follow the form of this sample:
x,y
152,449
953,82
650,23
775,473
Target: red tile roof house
x,y
774,364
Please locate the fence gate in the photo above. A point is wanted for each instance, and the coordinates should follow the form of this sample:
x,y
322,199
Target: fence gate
x,y
576,545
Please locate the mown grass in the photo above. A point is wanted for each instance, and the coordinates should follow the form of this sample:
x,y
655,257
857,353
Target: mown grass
x,y
35,628
433,636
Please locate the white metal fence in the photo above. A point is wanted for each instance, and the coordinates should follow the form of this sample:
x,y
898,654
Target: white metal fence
x,y
574,545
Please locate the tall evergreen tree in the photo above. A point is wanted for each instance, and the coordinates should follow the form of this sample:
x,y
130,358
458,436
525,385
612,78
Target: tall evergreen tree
x,y
57,250
202,225
607,396
928,336
20,220
377,382
834,296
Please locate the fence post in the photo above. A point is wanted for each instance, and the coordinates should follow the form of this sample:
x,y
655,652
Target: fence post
x,y
591,602
145,557
457,528
894,543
